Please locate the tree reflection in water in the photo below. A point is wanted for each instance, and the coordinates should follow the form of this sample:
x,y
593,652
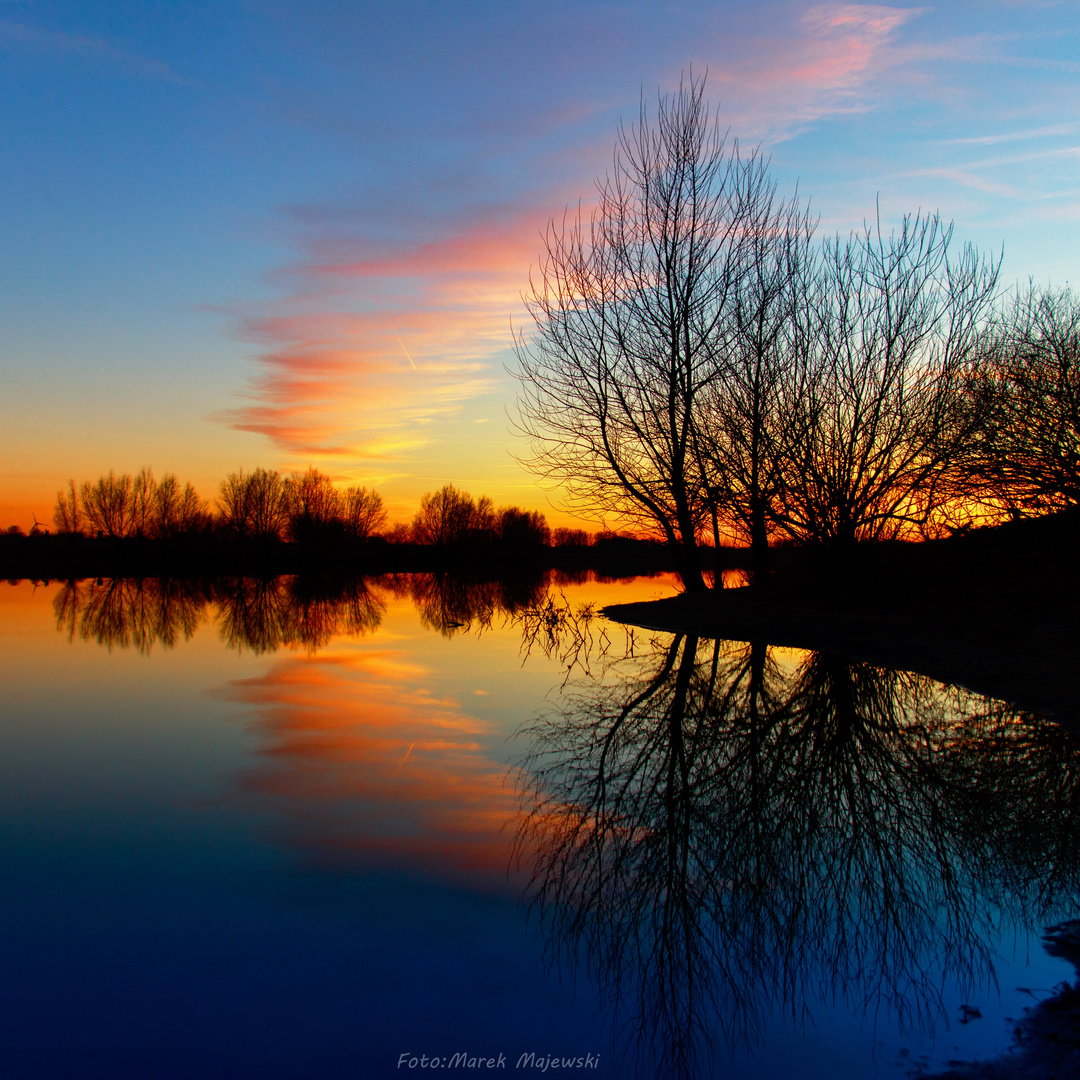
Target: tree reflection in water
x,y
720,836
452,603
264,614
130,613
260,614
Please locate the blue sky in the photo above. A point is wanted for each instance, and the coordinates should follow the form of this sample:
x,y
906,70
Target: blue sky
x,y
288,234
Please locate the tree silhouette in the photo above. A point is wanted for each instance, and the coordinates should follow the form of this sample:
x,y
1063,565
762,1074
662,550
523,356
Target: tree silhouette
x,y
68,515
1024,391
363,513
742,433
177,510
122,506
876,418
630,311
314,506
449,517
108,505
254,504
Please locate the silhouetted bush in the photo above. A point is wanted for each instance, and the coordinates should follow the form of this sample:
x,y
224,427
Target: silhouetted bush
x,y
564,537
452,518
523,528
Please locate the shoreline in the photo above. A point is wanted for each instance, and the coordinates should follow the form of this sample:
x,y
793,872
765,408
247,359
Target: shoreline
x,y
66,558
1024,655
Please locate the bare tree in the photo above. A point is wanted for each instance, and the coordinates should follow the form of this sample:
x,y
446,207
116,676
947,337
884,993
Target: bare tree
x,y
627,307
1024,455
254,504
68,515
743,422
364,513
176,510
108,505
314,504
876,417
143,502
122,506
448,517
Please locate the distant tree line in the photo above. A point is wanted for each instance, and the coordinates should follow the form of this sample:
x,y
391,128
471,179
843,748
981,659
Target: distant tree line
x,y
702,366
304,508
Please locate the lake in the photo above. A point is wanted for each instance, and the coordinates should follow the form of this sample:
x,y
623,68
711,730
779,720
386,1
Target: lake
x,y
324,829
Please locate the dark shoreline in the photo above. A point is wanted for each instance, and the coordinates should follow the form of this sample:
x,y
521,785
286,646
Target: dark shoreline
x,y
66,558
1028,662
995,611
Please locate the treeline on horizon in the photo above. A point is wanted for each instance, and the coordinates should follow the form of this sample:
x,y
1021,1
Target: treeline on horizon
x,y
302,508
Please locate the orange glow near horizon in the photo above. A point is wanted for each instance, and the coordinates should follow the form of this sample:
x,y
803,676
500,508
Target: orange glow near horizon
x,y
367,278
409,377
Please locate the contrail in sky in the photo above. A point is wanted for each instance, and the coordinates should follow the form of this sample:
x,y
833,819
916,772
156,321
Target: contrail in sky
x,y
405,351
409,751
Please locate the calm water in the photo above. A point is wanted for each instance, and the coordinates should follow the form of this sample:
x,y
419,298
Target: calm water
x,y
291,830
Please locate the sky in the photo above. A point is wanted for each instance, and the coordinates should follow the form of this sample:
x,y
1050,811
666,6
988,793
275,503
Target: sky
x,y
264,233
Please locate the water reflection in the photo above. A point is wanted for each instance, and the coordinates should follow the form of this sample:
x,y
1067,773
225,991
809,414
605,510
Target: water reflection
x,y
128,613
452,603
722,832
362,765
264,614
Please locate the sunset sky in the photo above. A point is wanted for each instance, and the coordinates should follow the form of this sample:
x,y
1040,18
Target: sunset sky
x,y
270,233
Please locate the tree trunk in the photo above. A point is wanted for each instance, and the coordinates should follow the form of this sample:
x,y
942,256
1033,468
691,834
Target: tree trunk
x,y
759,542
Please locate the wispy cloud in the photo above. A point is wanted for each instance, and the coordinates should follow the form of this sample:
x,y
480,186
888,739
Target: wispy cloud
x,y
1014,136
381,333
391,320
425,321
968,178
60,43
831,61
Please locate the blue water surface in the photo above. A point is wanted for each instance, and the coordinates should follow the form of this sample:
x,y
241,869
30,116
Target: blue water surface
x,y
171,907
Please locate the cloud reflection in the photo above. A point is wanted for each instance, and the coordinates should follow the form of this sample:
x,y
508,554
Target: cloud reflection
x,y
364,762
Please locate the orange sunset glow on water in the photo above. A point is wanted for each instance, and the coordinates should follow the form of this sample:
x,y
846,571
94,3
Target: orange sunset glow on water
x,y
382,809
388,745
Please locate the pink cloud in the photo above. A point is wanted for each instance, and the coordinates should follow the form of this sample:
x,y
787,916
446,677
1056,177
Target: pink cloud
x,y
835,59
417,343
846,40
376,342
